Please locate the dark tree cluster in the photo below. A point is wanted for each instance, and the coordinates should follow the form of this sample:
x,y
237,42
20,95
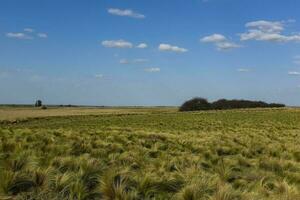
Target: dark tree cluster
x,y
195,104
223,104
38,103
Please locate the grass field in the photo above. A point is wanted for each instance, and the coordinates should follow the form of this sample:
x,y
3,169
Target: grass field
x,y
153,153
10,113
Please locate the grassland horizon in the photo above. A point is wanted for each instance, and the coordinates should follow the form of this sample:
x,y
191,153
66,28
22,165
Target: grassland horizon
x,y
149,100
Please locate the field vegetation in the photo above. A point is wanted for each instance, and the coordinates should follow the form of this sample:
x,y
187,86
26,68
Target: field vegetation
x,y
154,154
12,113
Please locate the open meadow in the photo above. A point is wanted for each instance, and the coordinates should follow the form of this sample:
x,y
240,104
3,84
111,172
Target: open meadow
x,y
10,113
149,153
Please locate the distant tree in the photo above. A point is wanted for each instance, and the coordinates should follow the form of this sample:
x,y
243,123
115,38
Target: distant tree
x,y
231,104
223,104
195,104
38,103
278,105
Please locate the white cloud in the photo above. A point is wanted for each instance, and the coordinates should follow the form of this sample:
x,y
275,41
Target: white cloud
x,y
26,35
294,73
29,30
152,69
266,26
142,46
265,36
226,45
267,31
243,70
125,13
124,61
214,38
21,36
117,44
98,76
122,44
168,47
220,41
42,35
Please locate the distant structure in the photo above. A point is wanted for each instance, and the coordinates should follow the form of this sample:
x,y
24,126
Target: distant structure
x,y
38,103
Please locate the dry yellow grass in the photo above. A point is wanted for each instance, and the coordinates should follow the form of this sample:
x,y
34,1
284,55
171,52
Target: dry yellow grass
x,y
11,113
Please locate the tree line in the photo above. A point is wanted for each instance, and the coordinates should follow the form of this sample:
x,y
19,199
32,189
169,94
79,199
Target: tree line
x,y
199,103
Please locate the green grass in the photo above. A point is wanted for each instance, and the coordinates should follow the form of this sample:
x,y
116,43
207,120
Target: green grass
x,y
215,155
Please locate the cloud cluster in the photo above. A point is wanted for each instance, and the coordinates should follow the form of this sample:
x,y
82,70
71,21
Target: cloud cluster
x,y
152,69
125,13
122,44
220,41
267,31
27,34
20,36
168,47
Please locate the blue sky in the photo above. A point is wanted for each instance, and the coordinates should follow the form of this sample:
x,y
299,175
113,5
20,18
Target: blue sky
x,y
134,52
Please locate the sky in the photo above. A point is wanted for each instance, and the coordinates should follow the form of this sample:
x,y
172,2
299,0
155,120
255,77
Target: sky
x,y
149,53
